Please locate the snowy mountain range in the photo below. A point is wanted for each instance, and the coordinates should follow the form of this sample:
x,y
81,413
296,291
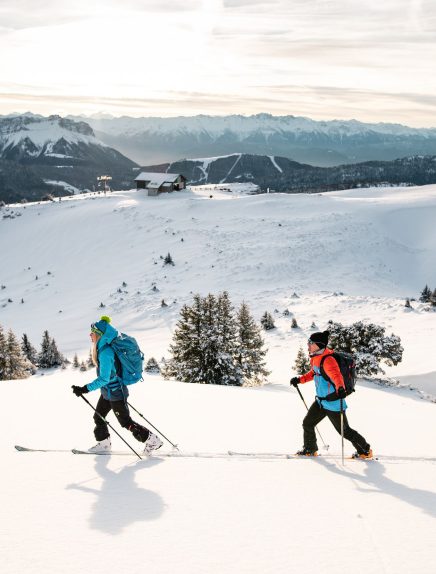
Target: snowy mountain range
x,y
348,256
55,153
150,140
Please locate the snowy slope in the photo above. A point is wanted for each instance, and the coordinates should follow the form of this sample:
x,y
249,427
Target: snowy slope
x,y
348,255
70,513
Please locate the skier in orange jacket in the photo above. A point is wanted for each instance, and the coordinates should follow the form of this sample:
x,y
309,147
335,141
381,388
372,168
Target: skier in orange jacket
x,y
329,396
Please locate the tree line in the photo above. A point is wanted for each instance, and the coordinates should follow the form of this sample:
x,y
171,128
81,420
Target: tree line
x,y
20,359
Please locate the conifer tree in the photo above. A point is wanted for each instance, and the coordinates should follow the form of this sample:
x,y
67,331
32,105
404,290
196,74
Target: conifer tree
x,y
267,321
76,363
29,350
83,366
425,295
57,358
49,355
16,365
227,368
294,324
90,362
368,343
3,354
433,298
205,343
251,351
152,366
302,362
168,260
186,363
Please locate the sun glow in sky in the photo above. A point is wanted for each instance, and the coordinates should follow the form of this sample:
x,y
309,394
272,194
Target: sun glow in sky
x,y
373,60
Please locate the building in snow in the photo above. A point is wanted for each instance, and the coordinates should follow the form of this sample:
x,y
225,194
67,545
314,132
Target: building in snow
x,y
156,183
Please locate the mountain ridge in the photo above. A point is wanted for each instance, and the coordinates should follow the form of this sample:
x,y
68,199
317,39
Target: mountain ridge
x,y
54,149
320,143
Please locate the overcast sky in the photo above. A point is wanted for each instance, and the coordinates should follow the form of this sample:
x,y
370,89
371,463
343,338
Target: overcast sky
x,y
373,60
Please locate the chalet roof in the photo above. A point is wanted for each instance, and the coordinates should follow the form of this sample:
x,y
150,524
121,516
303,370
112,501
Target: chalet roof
x,y
157,179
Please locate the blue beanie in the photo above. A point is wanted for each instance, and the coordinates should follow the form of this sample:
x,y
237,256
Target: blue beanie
x,y
100,326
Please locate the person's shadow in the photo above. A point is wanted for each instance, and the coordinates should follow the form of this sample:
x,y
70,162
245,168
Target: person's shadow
x,y
376,479
120,501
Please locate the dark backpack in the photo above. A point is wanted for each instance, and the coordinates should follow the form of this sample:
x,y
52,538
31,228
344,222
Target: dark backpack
x,y
129,359
347,366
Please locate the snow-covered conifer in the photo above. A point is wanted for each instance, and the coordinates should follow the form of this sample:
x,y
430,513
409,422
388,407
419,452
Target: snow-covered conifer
x,y
302,362
294,324
16,365
368,343
251,351
152,366
227,368
205,343
425,295
267,321
76,363
49,355
186,362
3,354
29,350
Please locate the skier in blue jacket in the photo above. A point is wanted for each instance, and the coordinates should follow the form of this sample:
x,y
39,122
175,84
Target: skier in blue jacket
x,y
113,392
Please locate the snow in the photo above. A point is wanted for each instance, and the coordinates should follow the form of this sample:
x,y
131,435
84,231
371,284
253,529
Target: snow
x,y
156,179
67,186
349,255
273,161
46,131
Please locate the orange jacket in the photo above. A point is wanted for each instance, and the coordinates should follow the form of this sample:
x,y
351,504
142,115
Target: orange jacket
x,y
330,367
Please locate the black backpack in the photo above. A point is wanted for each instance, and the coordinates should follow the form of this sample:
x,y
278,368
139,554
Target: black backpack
x,y
347,366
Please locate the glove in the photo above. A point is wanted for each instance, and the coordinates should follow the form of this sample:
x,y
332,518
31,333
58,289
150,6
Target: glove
x,y
295,381
341,393
79,391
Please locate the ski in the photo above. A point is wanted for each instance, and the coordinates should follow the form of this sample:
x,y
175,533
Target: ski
x,y
26,449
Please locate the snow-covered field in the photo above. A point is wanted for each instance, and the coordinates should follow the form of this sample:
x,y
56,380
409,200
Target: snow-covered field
x,y
348,256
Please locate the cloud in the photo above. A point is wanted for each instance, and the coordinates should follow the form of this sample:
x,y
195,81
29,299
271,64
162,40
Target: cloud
x,y
23,14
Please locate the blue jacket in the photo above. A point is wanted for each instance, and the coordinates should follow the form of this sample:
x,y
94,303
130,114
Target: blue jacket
x,y
107,379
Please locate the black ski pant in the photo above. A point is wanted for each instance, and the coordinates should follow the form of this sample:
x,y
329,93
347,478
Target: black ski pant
x,y
121,411
316,414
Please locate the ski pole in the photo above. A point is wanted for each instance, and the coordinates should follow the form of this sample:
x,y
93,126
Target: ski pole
x,y
110,426
149,423
326,446
342,429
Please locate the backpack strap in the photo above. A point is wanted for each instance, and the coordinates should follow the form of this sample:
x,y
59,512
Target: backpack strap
x,y
332,396
117,361
324,375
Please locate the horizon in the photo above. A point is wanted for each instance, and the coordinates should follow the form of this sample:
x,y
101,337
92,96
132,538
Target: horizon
x,y
316,59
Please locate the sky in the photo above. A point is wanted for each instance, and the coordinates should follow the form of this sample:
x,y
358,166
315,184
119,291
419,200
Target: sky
x,y
326,59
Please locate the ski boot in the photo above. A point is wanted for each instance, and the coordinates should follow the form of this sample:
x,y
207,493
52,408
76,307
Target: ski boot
x,y
306,452
152,443
364,455
101,447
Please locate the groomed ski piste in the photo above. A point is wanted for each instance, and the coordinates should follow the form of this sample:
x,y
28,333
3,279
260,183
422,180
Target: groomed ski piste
x,y
236,503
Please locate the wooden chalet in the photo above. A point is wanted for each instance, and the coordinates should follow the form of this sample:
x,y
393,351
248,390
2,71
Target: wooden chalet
x,y
156,183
